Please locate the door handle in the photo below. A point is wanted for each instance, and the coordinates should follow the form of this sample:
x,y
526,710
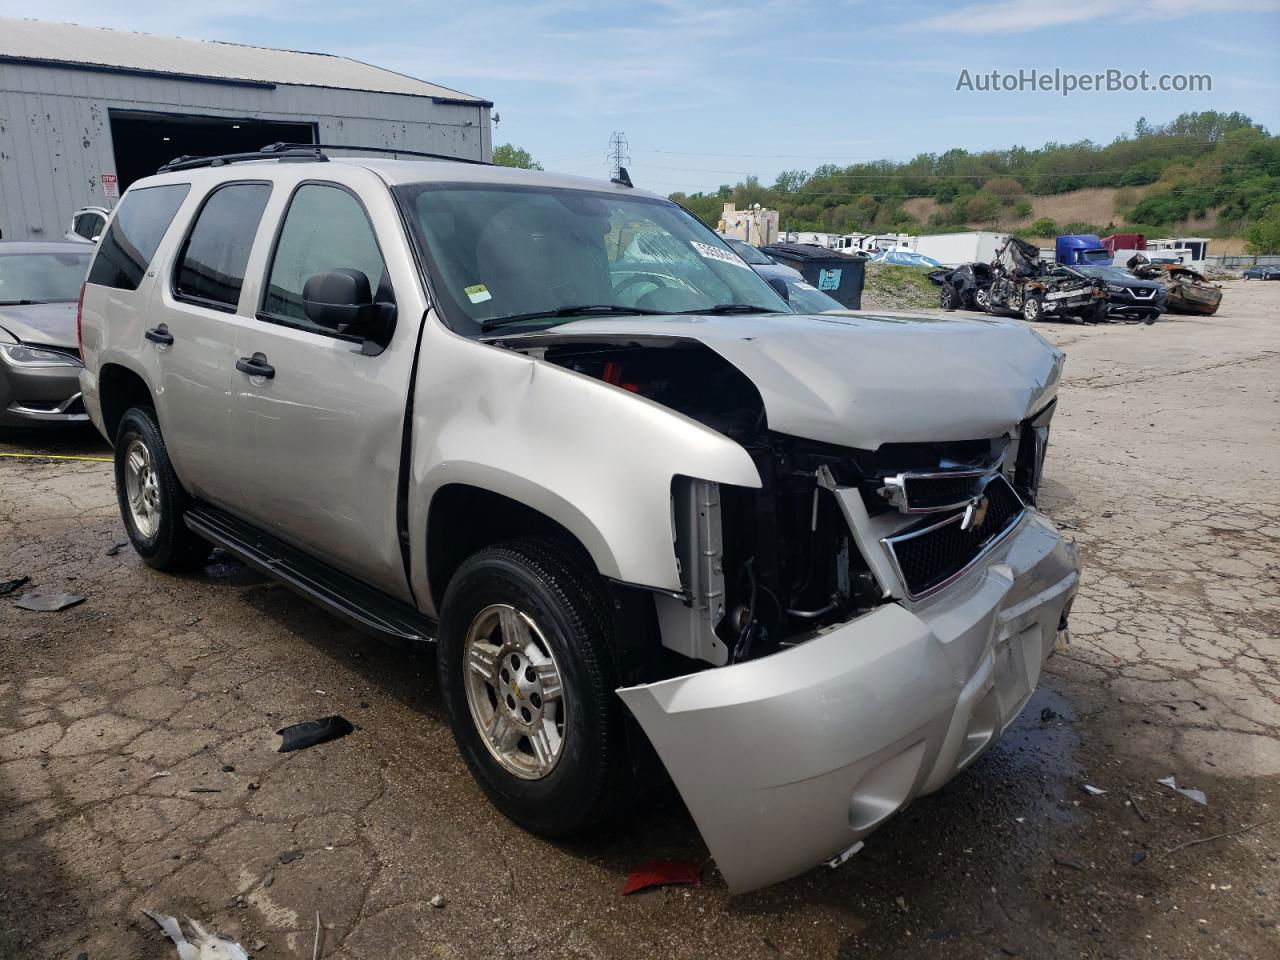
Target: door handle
x,y
160,335
256,366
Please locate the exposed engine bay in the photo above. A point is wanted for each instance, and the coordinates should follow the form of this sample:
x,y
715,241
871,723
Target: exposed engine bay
x,y
764,569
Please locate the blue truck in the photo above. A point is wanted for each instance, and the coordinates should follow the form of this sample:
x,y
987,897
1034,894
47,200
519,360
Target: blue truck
x,y
1081,249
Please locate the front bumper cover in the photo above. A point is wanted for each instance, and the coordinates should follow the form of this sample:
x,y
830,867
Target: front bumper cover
x,y
40,396
790,760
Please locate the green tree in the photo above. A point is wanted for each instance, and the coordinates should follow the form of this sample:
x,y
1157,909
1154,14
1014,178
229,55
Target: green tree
x,y
1006,189
509,155
1044,227
789,181
1263,235
982,208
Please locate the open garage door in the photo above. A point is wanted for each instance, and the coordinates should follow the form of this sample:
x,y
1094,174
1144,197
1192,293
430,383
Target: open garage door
x,y
145,141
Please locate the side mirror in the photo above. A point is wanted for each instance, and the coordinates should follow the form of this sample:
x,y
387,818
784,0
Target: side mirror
x,y
340,300
780,288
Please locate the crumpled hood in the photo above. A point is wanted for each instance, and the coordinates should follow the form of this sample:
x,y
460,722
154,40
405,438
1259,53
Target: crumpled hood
x,y
863,380
42,324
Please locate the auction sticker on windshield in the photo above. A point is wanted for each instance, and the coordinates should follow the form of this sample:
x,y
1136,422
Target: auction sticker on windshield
x,y
477,293
715,253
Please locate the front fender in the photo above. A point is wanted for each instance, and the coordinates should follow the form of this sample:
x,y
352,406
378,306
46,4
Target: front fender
x,y
595,458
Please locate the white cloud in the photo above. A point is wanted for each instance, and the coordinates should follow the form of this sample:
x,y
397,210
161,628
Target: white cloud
x,y
1018,16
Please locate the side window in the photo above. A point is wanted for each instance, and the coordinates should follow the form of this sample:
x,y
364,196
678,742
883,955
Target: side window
x,y
136,231
210,269
324,229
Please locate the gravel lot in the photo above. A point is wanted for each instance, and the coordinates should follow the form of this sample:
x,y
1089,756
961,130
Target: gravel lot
x,y
137,763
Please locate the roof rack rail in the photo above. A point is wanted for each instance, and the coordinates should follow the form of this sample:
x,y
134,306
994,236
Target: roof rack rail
x,y
296,151
389,150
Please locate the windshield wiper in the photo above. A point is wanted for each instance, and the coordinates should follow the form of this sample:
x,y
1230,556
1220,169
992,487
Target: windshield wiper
x,y
732,308
586,309
22,303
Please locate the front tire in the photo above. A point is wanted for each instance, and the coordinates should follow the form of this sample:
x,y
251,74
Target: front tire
x,y
947,298
152,501
1031,308
528,682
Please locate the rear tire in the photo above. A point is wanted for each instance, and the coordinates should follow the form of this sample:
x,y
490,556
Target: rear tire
x,y
528,681
152,501
947,298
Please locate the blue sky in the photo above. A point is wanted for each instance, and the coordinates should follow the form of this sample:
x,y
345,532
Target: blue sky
x,y
710,91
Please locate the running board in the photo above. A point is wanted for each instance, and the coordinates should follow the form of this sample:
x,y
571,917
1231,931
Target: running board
x,y
344,596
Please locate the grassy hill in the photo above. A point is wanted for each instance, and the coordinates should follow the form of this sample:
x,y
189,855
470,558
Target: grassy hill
x,y
1207,173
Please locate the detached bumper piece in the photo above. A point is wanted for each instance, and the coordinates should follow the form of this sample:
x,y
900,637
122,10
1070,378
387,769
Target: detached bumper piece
x,y
788,761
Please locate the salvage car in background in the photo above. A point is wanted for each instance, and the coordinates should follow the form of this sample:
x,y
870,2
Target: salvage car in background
x,y
967,287
1261,273
39,359
1025,285
763,264
1128,296
1187,290
904,258
87,223
800,551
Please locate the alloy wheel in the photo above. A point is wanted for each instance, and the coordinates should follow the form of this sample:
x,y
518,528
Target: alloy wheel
x,y
142,488
515,691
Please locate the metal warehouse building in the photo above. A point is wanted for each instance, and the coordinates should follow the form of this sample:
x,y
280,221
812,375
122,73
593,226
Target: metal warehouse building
x,y
86,111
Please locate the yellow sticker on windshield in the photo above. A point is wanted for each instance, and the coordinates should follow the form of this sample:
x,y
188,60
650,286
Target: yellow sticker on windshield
x,y
478,293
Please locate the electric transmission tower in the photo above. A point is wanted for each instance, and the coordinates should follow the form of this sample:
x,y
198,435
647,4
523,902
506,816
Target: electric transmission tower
x,y
618,155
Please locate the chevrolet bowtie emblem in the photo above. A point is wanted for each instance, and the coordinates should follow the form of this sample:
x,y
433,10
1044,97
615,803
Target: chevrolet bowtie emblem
x,y
975,514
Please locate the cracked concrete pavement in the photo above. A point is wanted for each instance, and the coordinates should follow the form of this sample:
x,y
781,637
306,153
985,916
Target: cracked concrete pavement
x,y
138,764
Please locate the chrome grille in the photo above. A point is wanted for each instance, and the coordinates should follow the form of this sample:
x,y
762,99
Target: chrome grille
x,y
936,552
934,492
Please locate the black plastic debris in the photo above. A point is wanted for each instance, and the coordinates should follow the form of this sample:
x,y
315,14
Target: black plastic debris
x,y
291,855
310,732
116,548
42,602
11,585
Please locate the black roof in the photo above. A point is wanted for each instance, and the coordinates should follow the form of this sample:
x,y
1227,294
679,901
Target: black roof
x,y
808,251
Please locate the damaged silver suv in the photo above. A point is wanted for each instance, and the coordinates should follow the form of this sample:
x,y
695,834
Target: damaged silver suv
x,y
650,514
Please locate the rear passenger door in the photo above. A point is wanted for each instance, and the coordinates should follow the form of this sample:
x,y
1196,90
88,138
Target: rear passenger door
x,y
193,325
323,432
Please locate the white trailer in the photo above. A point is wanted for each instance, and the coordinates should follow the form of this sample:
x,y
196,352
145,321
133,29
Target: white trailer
x,y
953,249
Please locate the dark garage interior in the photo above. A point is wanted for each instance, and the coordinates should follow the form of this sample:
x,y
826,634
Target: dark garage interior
x,y
144,141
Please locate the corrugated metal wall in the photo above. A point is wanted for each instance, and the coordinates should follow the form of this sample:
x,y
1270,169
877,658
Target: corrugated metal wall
x,y
55,133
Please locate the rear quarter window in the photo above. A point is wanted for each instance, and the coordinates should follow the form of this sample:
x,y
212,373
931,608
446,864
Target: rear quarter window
x,y
139,225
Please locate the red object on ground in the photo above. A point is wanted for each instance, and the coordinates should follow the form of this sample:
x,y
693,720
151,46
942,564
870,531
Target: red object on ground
x,y
662,873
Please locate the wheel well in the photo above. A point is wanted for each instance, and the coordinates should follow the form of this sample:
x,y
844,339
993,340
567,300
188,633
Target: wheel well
x,y
464,519
119,388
